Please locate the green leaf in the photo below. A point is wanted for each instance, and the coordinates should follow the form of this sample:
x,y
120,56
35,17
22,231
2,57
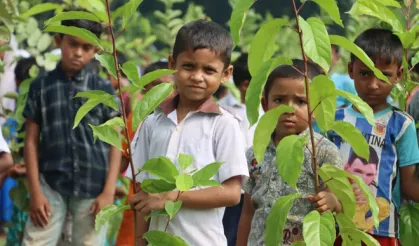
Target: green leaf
x,y
161,167
389,3
315,42
409,223
156,213
299,243
76,32
40,8
4,34
34,37
344,221
107,213
319,229
238,17
184,182
108,62
407,38
149,102
130,70
44,42
20,196
150,77
95,97
128,10
262,47
163,238
11,95
323,101
206,172
332,9
364,237
172,208
257,84
415,59
156,186
290,157
72,15
276,219
339,184
265,128
378,10
185,161
362,106
359,53
107,133
354,137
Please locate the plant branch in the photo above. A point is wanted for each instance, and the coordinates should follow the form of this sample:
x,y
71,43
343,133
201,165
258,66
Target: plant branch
x,y
292,28
299,9
307,84
168,221
296,69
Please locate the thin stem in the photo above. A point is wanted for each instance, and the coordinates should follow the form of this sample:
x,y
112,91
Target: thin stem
x,y
290,27
298,11
314,109
296,69
307,84
168,221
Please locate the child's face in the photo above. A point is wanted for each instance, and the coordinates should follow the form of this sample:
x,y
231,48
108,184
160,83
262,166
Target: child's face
x,y
370,89
199,74
288,92
368,172
76,53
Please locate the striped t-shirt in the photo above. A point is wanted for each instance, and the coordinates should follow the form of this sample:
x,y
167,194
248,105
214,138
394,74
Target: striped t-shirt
x,y
393,144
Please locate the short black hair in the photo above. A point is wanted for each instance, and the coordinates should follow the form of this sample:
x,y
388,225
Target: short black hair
x,y
373,158
22,68
380,44
94,27
290,72
241,70
156,66
202,34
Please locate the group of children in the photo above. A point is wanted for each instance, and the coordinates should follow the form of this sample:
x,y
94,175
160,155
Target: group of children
x,y
68,171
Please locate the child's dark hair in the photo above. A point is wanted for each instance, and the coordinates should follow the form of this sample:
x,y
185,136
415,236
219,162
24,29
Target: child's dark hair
x,y
380,44
156,66
241,70
22,68
290,72
94,27
202,34
373,159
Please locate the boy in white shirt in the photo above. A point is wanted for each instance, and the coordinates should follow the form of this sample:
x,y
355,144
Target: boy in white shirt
x,y
192,123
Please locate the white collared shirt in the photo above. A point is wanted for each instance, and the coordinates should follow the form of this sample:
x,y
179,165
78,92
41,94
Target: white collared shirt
x,y
208,137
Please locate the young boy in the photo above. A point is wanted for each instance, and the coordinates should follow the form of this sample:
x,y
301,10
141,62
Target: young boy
x,y
66,169
393,137
285,86
192,123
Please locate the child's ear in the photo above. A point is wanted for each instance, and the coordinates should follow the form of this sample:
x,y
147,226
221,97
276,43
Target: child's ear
x,y
350,69
399,74
58,39
264,104
227,74
172,62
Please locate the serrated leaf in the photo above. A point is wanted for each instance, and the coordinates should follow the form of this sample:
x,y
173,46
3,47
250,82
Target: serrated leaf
x,y
339,184
265,128
72,15
319,229
107,61
161,167
315,42
290,157
11,95
409,223
172,208
332,9
150,101
206,172
150,77
323,101
378,10
84,34
184,182
353,136
107,213
40,8
367,239
359,53
362,106
44,42
107,133
163,238
415,59
257,84
156,213
262,47
276,219
185,161
130,70
154,186
238,17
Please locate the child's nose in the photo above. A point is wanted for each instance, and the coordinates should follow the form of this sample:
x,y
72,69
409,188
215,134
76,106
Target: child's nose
x,y
197,76
374,83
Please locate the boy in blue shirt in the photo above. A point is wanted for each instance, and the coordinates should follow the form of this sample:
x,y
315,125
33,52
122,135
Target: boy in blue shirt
x,y
393,137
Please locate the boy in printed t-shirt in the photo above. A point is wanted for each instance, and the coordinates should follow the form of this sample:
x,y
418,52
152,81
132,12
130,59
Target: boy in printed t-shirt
x,y
192,123
392,138
285,86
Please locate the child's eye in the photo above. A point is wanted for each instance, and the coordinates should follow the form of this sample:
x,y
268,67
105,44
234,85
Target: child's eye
x,y
187,66
301,102
209,71
364,73
278,100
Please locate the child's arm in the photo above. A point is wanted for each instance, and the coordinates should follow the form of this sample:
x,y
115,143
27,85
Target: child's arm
x,y
245,221
410,182
6,160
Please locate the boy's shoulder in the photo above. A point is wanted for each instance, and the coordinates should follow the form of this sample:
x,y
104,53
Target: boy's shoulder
x,y
402,114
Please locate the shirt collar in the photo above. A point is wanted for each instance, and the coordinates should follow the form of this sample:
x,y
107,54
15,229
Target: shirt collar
x,y
209,106
78,76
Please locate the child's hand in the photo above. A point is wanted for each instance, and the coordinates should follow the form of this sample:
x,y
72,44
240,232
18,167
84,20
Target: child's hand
x,y
326,201
103,200
144,202
40,210
17,170
119,193
359,195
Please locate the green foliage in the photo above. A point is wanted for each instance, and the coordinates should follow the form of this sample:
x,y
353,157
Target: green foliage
x,y
128,10
161,167
108,132
238,17
409,227
150,77
354,235
276,219
201,177
185,161
19,196
156,186
331,8
353,136
107,213
156,213
72,15
319,229
40,8
184,182
323,101
290,157
172,208
362,106
163,238
130,70
266,126
107,61
415,59
76,32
